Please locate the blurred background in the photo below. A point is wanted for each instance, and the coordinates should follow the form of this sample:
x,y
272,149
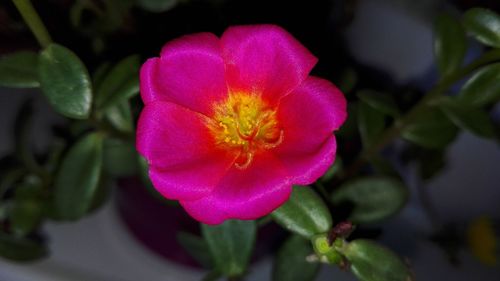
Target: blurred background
x,y
387,44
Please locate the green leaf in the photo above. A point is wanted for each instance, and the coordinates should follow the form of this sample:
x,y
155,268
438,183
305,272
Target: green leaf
x,y
65,82
196,247
484,24
304,213
382,102
120,116
27,209
25,216
482,88
372,262
121,83
21,249
450,44
374,198
291,264
19,70
371,123
431,129
101,194
143,170
100,73
157,6
475,120
78,178
119,158
79,128
55,152
231,244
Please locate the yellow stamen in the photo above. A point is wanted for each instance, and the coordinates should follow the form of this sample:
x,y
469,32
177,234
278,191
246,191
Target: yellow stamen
x,y
245,124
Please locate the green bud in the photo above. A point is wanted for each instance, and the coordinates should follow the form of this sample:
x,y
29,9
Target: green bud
x,y
327,253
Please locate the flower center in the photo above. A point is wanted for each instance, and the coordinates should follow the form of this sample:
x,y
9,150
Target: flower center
x,y
246,124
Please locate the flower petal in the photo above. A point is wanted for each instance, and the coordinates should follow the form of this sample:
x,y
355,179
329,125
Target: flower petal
x,y
309,115
190,72
184,161
264,59
244,194
192,180
307,165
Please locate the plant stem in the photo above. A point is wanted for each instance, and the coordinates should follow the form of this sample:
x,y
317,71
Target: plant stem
x,y
109,130
33,21
395,130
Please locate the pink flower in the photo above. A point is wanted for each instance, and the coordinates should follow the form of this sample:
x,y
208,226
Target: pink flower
x,y
230,124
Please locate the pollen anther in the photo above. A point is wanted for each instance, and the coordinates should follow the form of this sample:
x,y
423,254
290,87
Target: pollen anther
x,y
245,124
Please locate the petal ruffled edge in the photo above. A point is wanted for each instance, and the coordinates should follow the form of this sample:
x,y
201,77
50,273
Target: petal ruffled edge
x,y
309,115
319,100
147,72
190,72
264,59
307,167
244,194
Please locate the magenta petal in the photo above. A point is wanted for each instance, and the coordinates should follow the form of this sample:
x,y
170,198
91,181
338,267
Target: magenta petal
x,y
264,59
309,115
192,180
147,76
184,163
244,194
190,72
306,165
